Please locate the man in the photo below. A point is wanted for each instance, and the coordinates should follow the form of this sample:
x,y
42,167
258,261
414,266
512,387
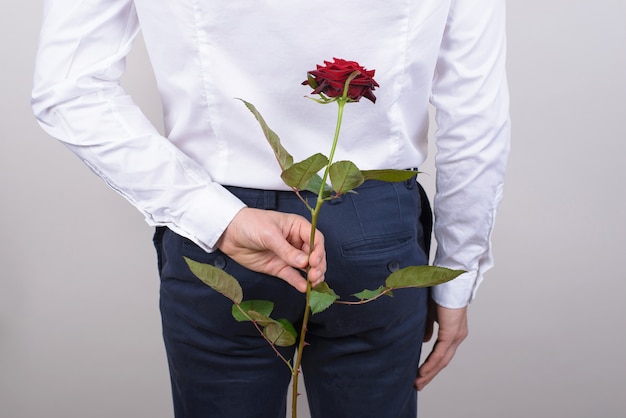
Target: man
x,y
212,187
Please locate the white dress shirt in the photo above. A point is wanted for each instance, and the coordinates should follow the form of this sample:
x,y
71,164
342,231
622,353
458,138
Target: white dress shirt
x,y
204,53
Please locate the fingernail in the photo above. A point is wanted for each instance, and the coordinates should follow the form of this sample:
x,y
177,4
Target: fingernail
x,y
301,259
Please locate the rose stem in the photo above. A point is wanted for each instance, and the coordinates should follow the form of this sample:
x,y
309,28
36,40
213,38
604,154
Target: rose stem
x,y
315,214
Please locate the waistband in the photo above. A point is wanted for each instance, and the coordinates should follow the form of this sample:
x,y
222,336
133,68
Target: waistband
x,y
271,197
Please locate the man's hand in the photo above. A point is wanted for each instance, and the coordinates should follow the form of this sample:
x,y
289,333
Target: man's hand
x,y
452,331
275,243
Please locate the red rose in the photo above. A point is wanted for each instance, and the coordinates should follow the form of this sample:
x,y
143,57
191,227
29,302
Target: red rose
x,y
331,77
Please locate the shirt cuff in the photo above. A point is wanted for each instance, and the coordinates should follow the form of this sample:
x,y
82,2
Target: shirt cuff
x,y
203,218
456,293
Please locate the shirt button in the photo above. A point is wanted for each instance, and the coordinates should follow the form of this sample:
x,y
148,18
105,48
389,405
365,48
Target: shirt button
x,y
220,262
393,265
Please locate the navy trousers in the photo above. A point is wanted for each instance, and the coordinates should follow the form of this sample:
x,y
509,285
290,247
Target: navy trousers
x,y
360,361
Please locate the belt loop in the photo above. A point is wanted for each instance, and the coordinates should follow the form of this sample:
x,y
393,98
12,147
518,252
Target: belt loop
x,y
410,183
270,199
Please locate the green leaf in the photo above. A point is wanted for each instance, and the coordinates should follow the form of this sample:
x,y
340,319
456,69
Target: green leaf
x,y
279,335
322,296
263,307
371,294
217,279
300,174
420,276
315,184
388,175
260,318
285,160
288,326
345,176
280,332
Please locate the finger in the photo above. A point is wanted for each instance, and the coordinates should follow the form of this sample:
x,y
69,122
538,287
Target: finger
x,y
316,278
318,245
292,256
289,261
293,277
292,247
299,236
437,360
316,267
317,258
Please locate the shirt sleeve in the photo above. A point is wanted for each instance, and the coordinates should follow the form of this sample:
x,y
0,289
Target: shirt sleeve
x,y
78,99
471,99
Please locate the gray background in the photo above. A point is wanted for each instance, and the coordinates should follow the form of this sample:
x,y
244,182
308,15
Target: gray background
x,y
79,322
